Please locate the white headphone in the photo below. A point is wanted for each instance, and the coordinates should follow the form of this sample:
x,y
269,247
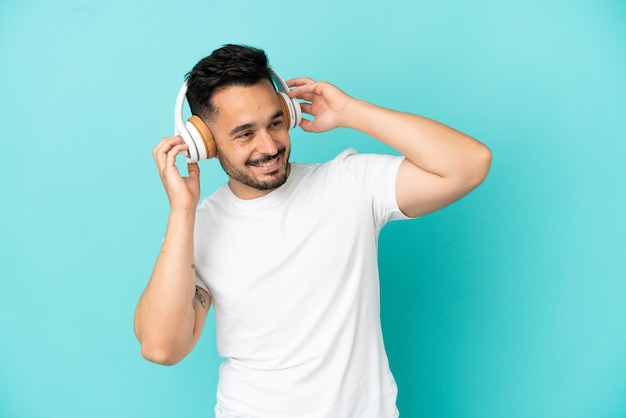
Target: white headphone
x,y
197,134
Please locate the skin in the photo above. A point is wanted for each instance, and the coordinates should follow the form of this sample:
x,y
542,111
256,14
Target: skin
x,y
441,166
252,140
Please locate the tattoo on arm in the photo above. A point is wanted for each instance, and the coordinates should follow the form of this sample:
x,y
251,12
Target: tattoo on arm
x,y
200,297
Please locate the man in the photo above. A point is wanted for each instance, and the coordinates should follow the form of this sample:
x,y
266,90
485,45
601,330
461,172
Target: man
x,y
287,253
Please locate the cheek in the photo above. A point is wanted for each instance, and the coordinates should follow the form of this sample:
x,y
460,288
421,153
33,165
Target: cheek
x,y
235,153
284,138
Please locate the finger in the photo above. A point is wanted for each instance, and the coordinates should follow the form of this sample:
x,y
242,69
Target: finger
x,y
166,143
166,155
173,152
306,91
294,82
306,125
301,95
164,146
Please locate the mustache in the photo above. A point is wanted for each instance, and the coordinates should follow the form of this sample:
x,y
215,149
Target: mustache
x,y
266,158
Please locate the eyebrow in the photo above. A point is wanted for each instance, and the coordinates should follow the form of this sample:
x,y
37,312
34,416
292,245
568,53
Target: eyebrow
x,y
243,127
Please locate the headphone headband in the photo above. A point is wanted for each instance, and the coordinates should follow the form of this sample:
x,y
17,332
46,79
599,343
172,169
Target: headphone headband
x,y
193,153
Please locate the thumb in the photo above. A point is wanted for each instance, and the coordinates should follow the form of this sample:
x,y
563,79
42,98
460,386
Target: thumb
x,y
193,169
307,125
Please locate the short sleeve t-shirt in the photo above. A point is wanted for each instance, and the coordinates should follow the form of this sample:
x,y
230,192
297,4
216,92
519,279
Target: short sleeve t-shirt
x,y
293,278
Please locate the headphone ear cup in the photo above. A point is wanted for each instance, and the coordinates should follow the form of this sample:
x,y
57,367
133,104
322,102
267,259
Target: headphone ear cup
x,y
285,109
201,137
291,110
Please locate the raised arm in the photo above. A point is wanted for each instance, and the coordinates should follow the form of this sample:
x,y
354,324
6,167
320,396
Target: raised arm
x,y
171,312
441,165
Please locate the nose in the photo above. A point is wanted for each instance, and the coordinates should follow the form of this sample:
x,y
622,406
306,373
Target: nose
x,y
266,143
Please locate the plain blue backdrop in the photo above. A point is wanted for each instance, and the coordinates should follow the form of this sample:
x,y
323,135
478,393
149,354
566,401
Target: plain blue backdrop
x,y
509,303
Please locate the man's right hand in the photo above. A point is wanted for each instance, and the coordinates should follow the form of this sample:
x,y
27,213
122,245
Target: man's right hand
x,y
182,192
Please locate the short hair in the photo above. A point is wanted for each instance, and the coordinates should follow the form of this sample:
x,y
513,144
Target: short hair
x,y
230,65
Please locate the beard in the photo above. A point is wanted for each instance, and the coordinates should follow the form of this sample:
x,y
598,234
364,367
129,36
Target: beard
x,y
267,181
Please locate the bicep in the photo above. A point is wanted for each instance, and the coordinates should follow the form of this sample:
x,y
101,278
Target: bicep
x,y
419,192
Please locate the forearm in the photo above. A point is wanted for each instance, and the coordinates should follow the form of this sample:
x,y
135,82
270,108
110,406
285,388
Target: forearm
x,y
441,164
165,317
430,145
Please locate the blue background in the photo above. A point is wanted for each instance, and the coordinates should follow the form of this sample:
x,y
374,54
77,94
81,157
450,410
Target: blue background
x,y
509,303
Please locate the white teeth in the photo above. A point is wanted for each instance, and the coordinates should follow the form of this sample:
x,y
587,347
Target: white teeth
x,y
267,163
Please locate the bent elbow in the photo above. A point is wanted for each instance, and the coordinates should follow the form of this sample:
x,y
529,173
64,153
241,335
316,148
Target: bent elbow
x,y
481,165
160,354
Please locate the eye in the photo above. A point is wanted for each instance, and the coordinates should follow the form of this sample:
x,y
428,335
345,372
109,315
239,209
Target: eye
x,y
277,123
244,135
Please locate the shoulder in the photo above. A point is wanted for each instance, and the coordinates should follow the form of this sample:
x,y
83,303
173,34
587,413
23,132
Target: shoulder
x,y
367,165
352,158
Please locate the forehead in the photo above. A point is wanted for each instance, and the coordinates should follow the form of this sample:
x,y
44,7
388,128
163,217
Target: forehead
x,y
237,102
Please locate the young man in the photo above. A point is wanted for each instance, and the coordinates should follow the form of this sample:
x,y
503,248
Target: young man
x,y
285,252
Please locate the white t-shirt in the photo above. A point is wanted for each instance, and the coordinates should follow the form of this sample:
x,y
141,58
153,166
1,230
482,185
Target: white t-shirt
x,y
294,282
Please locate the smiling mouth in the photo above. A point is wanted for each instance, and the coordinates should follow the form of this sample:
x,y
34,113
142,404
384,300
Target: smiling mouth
x,y
267,161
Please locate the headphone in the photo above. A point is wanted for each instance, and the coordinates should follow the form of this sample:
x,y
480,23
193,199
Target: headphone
x,y
198,136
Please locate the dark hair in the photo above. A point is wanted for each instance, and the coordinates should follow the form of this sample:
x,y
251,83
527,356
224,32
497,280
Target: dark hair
x,y
230,65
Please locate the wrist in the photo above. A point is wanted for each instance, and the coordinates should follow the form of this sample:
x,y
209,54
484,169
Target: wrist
x,y
354,114
183,212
